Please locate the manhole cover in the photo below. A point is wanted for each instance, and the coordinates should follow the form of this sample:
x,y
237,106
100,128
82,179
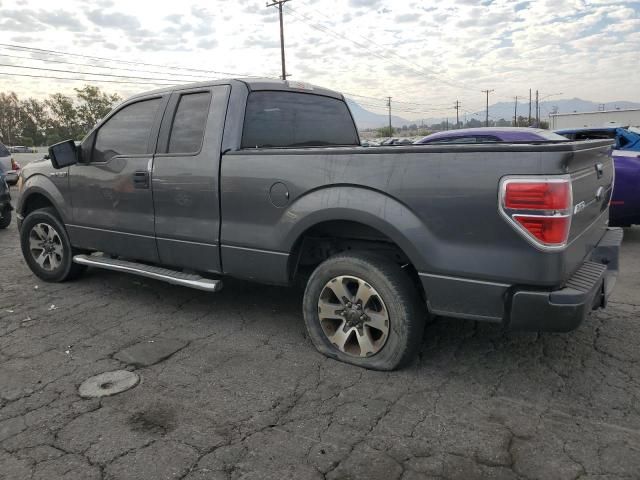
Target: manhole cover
x,y
108,383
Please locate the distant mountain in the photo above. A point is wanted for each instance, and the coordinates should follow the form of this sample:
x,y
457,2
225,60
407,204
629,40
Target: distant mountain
x,y
505,109
366,119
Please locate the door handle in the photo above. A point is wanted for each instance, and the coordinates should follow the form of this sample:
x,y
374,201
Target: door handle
x,y
141,179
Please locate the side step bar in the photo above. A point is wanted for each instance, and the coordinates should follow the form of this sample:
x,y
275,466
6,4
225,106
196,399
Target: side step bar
x,y
157,273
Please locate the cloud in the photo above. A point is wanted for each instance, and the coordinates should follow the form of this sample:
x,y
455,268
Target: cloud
x,y
174,18
117,20
60,19
207,43
364,3
406,18
425,50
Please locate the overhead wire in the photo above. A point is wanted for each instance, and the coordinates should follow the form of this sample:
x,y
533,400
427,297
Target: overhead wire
x,y
128,62
10,74
101,66
420,68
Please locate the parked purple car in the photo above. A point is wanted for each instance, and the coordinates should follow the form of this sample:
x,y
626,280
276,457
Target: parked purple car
x,y
492,135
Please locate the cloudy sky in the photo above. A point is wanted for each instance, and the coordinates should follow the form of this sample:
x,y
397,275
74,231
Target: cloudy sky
x,y
425,54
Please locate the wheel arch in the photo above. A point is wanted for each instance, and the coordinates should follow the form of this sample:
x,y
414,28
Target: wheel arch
x,y
373,216
40,192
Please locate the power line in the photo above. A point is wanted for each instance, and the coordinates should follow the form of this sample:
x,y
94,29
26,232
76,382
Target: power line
x,y
421,67
89,73
280,3
102,66
305,19
457,107
390,127
487,92
60,53
11,74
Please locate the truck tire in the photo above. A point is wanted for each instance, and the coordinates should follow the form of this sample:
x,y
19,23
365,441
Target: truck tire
x,y
5,220
363,309
46,247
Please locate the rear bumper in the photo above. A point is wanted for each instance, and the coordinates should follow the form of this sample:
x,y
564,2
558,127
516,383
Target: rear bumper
x,y
564,309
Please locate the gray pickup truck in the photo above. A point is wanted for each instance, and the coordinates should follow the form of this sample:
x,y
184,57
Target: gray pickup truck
x,y
266,180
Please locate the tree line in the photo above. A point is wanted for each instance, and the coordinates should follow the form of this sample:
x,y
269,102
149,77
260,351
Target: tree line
x,y
33,122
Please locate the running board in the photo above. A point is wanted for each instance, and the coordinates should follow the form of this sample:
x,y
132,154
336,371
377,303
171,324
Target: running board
x,y
157,273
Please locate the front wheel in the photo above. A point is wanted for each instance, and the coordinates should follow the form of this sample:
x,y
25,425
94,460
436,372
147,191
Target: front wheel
x,y
363,309
46,247
5,218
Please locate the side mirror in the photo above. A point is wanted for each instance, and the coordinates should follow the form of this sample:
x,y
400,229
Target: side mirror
x,y
63,154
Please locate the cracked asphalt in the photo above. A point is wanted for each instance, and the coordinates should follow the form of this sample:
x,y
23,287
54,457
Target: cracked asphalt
x,y
231,388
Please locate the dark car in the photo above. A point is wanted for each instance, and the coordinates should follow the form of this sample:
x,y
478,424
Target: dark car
x,y
8,166
21,149
491,135
5,203
625,204
266,180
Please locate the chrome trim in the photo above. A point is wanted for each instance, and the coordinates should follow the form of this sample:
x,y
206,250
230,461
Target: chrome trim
x,y
509,216
463,279
165,239
110,231
147,271
254,250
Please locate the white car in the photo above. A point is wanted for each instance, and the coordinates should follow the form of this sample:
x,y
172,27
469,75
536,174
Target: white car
x,y
8,166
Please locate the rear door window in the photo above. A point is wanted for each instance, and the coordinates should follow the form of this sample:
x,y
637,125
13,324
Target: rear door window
x,y
291,119
187,131
4,151
128,132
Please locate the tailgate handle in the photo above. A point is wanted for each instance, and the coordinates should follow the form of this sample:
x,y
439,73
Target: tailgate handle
x,y
599,169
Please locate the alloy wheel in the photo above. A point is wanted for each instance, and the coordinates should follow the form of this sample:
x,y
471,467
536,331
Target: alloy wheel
x,y
45,246
353,316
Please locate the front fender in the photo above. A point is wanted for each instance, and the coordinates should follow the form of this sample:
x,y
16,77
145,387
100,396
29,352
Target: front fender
x,y
366,206
40,184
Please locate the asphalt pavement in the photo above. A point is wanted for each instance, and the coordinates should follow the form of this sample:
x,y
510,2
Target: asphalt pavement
x,y
227,386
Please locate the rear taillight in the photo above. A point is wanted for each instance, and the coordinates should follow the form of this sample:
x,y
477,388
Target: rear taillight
x,y
14,165
540,208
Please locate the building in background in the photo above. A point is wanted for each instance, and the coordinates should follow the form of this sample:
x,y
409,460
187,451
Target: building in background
x,y
604,118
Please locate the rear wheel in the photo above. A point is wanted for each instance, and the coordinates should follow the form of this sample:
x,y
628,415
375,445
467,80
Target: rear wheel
x,y
363,309
5,218
46,247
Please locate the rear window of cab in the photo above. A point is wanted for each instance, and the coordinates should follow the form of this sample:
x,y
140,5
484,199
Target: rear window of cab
x,y
280,119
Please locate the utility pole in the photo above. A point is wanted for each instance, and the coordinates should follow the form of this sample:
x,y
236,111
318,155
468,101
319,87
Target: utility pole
x,y
515,113
457,107
390,127
280,3
487,92
447,124
537,110
529,124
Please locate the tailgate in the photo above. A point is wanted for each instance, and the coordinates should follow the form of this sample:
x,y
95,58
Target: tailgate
x,y
592,175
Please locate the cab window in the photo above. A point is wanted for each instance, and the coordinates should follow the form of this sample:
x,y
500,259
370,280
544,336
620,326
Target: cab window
x,y
292,119
128,132
187,131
